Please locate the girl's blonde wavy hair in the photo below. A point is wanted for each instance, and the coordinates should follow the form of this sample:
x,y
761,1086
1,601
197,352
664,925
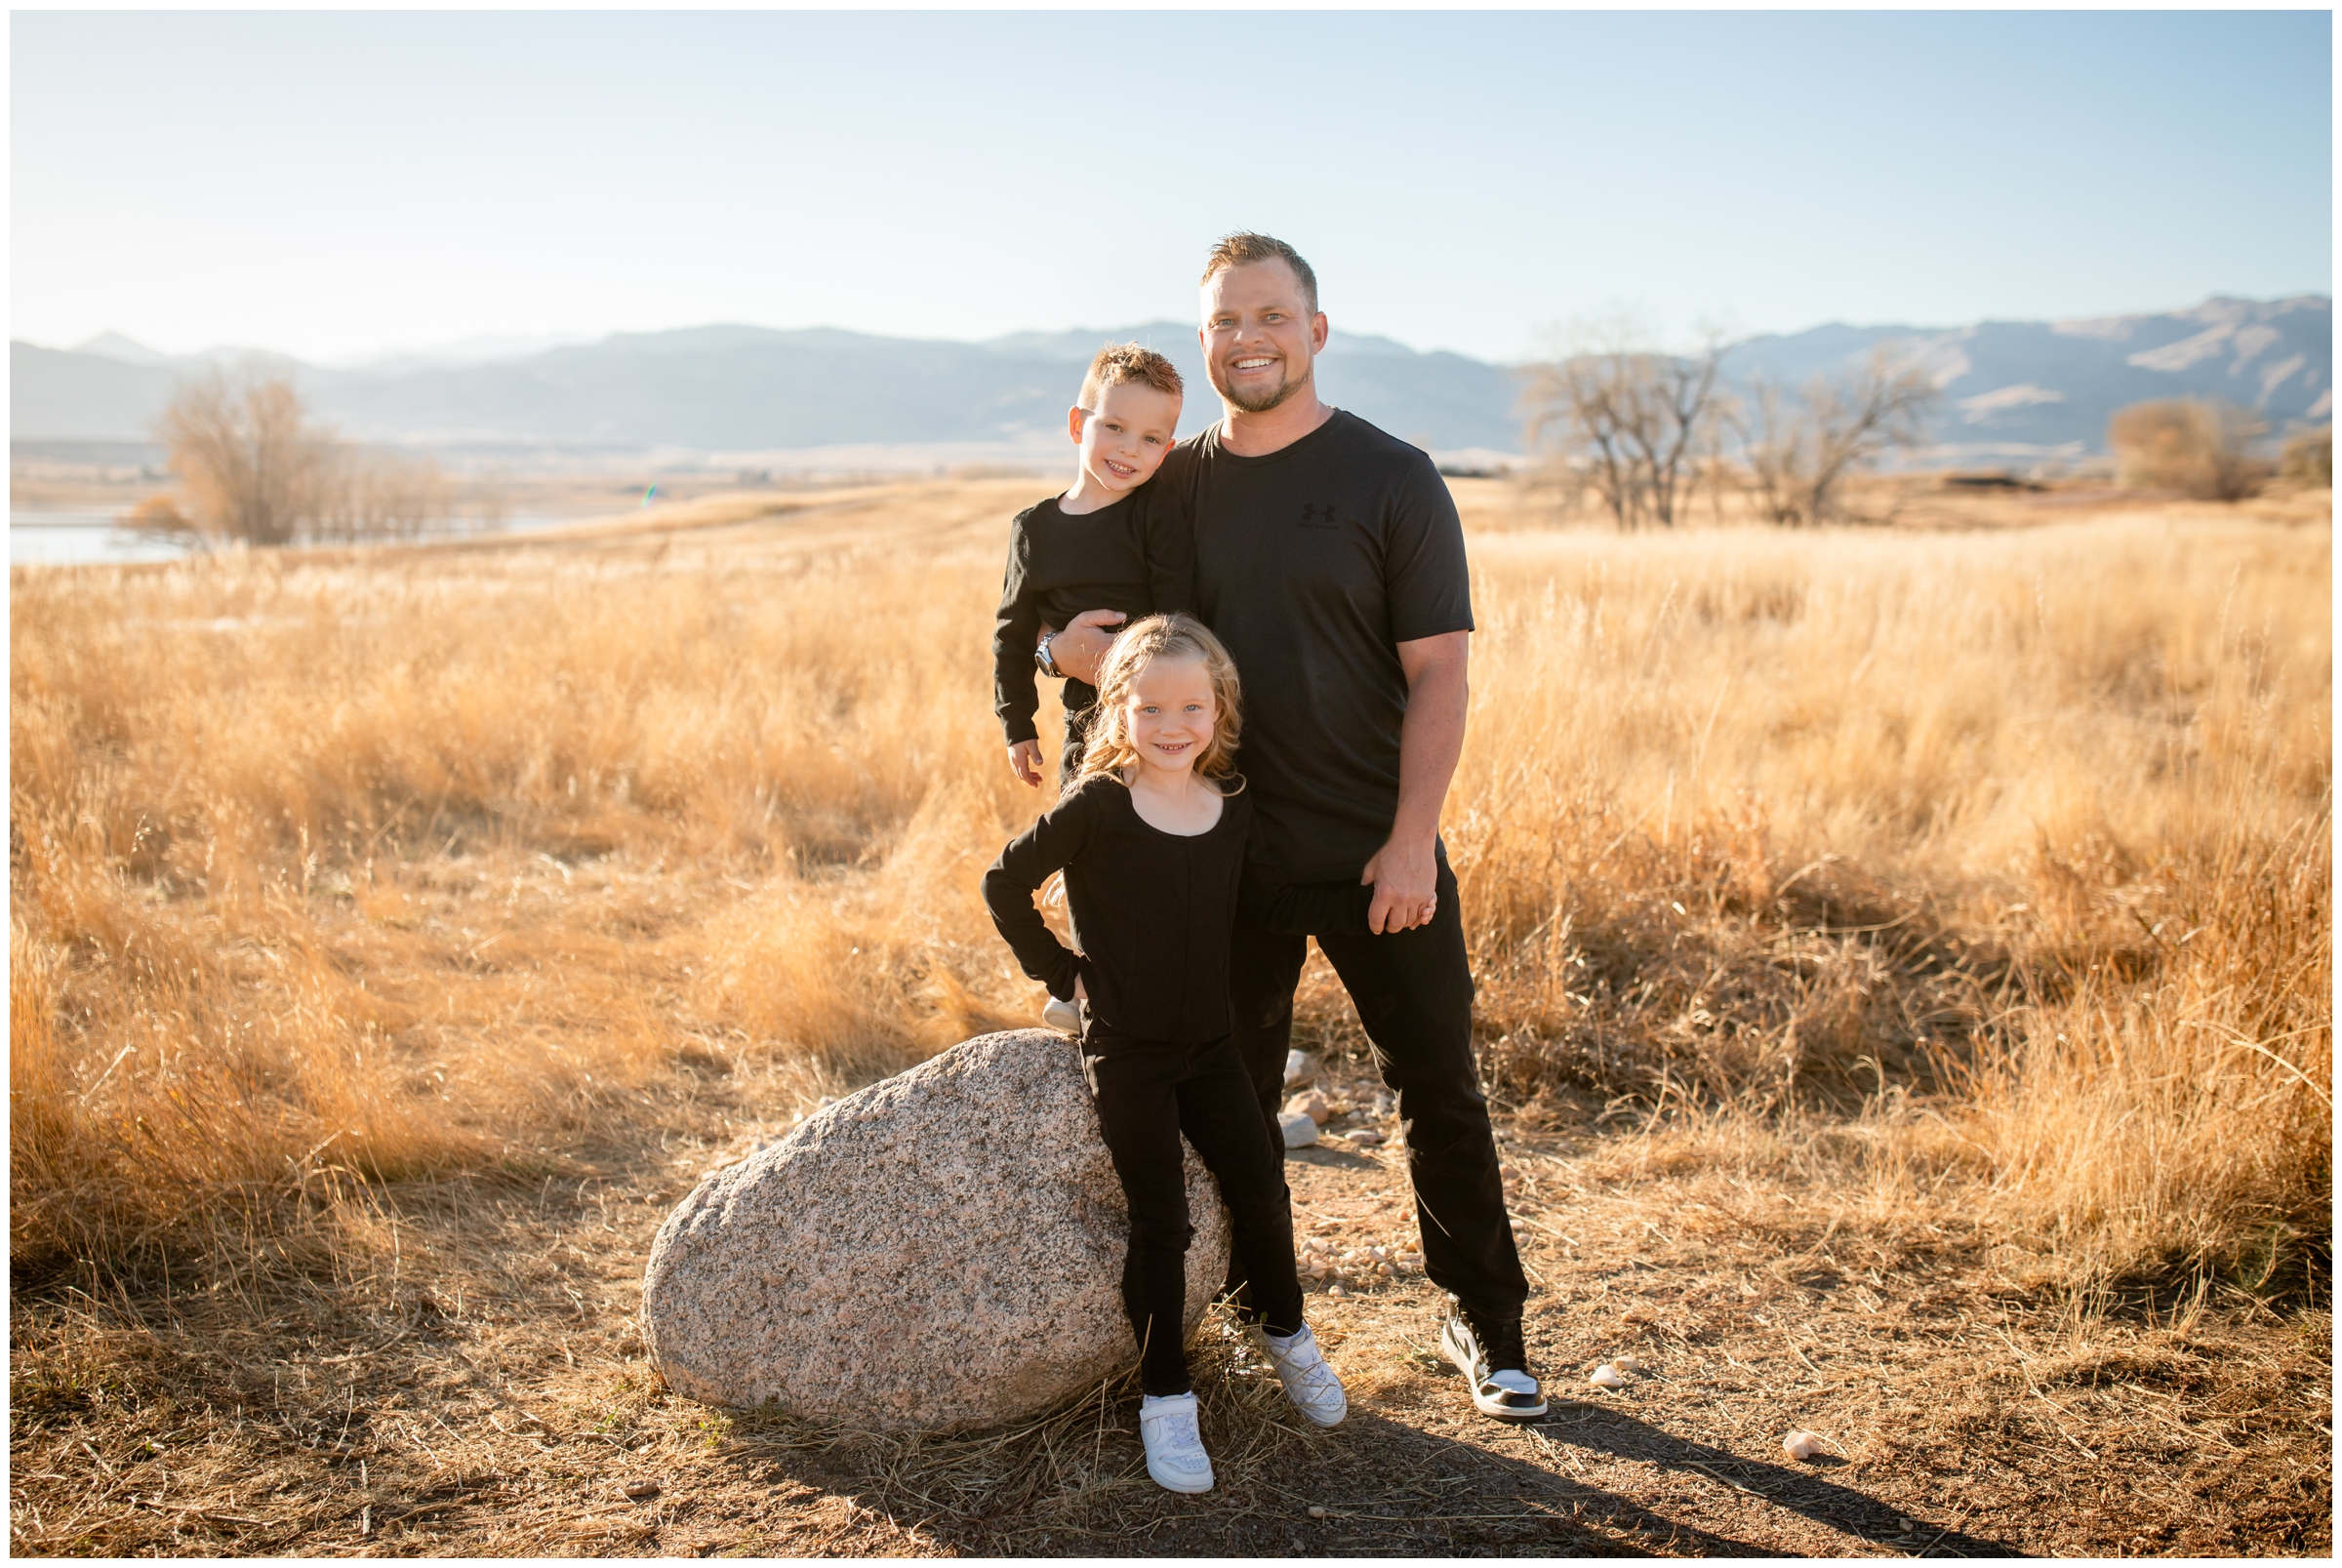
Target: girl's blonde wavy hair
x,y
1107,747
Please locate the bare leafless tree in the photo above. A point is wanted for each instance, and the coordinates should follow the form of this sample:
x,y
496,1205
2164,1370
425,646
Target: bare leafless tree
x,y
2200,447
254,468
250,465
1627,419
374,493
2309,458
1800,445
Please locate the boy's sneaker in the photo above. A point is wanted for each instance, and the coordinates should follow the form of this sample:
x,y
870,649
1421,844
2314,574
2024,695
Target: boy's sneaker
x,y
1312,1386
1492,1357
1175,1455
1062,1016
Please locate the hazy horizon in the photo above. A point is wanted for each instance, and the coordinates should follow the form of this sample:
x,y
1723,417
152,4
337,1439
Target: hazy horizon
x,y
492,346
342,187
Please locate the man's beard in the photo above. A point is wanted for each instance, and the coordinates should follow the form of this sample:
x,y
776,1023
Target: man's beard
x,y
1263,402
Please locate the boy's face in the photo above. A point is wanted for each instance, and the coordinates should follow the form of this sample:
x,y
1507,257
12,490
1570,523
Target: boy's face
x,y
1124,439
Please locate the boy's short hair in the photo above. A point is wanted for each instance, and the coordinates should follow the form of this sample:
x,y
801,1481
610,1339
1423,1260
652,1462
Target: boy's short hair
x,y
1118,363
1244,247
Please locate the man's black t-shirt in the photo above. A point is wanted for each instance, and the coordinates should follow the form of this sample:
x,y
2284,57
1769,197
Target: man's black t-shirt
x,y
1059,566
1313,563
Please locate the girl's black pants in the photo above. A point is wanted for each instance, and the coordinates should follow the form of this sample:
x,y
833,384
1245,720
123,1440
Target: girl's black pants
x,y
1148,1091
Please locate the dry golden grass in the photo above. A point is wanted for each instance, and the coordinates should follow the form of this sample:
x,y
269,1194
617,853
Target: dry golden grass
x,y
2040,818
1970,883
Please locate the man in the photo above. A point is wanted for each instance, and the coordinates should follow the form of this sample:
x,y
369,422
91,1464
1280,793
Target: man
x,y
1329,558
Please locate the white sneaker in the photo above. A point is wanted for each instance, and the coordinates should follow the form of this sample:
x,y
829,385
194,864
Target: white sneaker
x,y
1311,1384
1062,1016
1175,1455
1508,1394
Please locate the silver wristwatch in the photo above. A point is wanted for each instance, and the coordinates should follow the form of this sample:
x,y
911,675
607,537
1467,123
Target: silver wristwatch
x,y
1042,656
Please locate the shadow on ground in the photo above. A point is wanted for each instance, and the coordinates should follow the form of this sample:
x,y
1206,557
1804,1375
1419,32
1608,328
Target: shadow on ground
x,y
1378,1487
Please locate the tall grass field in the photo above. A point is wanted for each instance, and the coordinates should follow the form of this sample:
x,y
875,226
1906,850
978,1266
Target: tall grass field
x,y
1982,873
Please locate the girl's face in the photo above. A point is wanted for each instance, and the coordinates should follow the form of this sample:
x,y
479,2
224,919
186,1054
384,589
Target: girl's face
x,y
1170,709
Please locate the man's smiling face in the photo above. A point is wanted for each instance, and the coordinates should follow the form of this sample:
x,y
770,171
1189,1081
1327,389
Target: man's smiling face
x,y
1259,337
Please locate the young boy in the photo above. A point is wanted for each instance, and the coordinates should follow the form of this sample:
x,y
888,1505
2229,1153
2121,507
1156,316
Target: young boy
x,y
1089,549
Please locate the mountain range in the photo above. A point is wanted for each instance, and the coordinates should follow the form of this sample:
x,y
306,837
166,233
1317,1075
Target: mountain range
x,y
2010,391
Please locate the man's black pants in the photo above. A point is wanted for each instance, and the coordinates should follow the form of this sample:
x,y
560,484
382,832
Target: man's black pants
x,y
1147,1093
1413,991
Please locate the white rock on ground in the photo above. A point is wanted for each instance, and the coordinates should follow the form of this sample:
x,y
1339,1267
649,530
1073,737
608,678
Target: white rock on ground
x,y
1300,1130
941,1251
1298,1066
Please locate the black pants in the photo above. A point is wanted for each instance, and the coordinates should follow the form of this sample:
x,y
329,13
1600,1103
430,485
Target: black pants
x,y
1413,992
1147,1093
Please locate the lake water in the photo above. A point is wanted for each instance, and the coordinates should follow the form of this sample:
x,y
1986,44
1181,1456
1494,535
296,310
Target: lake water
x,y
84,538
79,539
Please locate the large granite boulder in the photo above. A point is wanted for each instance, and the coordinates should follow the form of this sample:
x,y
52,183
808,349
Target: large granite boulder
x,y
943,1250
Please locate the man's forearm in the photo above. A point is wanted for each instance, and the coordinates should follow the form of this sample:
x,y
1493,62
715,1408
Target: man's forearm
x,y
1431,743
1079,648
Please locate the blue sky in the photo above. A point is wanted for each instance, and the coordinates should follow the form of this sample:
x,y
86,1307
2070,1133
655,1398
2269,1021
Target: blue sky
x,y
342,184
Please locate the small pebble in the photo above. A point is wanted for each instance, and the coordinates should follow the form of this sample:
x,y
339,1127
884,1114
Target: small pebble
x,y
1297,1067
1309,1104
1366,1135
1627,1363
1300,1131
642,1489
1606,1376
1316,1512
1335,1290
1801,1445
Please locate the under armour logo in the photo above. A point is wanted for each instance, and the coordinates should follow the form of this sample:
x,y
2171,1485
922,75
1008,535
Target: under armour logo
x,y
1318,515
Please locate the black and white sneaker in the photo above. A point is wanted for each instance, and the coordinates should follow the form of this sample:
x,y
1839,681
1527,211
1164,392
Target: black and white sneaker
x,y
1501,1386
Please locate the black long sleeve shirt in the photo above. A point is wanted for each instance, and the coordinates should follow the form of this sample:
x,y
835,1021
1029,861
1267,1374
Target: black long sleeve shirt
x,y
1120,557
1151,910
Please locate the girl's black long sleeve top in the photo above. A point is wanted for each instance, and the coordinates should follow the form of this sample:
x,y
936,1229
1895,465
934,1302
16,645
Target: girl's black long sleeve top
x,y
1153,911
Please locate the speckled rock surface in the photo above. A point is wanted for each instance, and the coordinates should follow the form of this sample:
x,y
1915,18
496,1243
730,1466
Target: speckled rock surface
x,y
943,1250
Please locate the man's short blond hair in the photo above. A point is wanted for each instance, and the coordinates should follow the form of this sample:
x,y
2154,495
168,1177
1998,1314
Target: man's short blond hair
x,y
1118,363
1244,247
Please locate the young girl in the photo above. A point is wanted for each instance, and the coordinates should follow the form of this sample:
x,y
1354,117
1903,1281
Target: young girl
x,y
1150,837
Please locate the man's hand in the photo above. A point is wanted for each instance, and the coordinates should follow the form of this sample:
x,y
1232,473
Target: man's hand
x,y
1405,877
1025,761
1081,647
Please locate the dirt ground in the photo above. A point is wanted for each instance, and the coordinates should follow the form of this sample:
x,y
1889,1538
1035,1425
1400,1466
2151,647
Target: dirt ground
x,y
488,1394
